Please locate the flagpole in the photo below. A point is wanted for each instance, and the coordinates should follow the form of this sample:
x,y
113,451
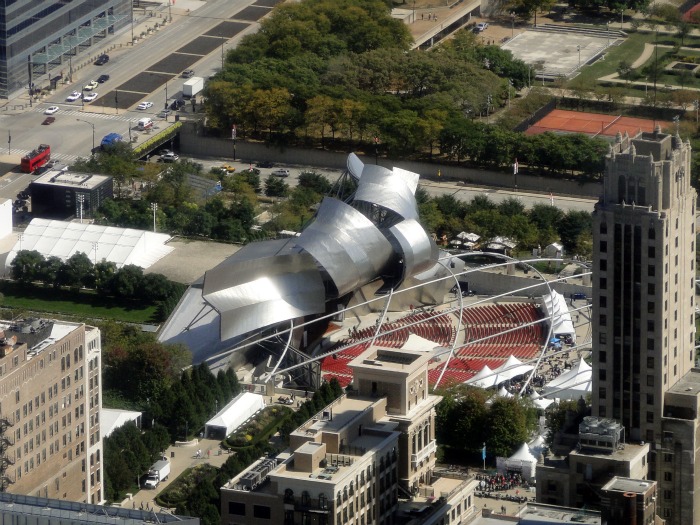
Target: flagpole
x,y
483,455
515,174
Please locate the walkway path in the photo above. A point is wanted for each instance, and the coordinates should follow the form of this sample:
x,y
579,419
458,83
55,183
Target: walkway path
x,y
646,55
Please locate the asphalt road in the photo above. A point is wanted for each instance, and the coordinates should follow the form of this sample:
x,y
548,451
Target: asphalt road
x,y
70,138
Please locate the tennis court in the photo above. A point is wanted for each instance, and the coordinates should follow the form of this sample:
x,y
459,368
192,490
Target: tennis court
x,y
596,124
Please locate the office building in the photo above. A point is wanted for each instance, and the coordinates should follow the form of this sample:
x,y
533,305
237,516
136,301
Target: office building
x,y
40,40
60,194
644,322
350,463
30,510
50,399
630,501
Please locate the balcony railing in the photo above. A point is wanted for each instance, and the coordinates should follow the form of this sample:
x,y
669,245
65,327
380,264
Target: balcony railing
x,y
429,449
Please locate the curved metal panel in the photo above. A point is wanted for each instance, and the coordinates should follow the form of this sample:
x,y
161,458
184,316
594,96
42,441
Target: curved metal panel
x,y
419,250
387,189
409,177
253,293
355,166
346,244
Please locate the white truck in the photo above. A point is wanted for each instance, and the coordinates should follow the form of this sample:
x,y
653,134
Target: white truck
x,y
192,86
157,473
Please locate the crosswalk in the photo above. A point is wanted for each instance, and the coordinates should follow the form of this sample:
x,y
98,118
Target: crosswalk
x,y
92,112
63,157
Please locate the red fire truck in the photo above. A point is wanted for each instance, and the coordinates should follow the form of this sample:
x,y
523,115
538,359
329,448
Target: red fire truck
x,y
36,158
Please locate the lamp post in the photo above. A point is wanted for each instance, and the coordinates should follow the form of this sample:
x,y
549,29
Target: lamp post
x,y
696,105
116,101
94,247
9,140
608,25
165,106
512,24
578,48
154,207
93,132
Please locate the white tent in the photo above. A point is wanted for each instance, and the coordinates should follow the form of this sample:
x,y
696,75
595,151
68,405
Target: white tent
x,y
502,392
112,418
537,446
541,402
572,384
554,250
557,312
485,378
121,246
522,461
419,344
513,367
233,415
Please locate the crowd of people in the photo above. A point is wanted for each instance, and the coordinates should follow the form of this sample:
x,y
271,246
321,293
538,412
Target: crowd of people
x,y
491,483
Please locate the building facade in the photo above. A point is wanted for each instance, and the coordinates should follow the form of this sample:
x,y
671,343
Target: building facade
x,y
39,39
351,462
643,299
61,194
50,398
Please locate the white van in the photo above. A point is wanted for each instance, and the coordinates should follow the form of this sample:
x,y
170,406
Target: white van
x,y
145,123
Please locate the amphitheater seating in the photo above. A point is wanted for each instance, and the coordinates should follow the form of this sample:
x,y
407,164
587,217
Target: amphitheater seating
x,y
493,333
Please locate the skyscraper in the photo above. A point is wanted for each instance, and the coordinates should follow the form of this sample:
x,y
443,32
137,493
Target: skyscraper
x,y
644,311
39,39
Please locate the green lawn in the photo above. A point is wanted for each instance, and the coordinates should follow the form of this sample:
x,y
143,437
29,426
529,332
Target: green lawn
x,y
86,303
629,51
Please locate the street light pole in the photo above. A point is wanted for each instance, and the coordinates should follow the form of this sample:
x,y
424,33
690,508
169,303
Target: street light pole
x,y
81,199
512,25
93,132
578,48
608,24
154,207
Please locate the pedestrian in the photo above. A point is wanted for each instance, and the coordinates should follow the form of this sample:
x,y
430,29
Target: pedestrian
x,y
421,17
209,453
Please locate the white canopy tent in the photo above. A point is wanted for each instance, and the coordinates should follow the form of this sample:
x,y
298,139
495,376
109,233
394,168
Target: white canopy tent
x,y
572,384
557,311
112,418
537,446
419,344
522,461
233,415
485,378
541,402
121,246
513,367
502,392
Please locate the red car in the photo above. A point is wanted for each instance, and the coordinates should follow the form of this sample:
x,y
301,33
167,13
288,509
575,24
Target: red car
x,y
49,120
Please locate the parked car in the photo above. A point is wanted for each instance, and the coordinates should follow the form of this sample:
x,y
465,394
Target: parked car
x,y
48,120
280,172
265,164
169,157
90,85
41,170
187,73
145,105
91,96
23,195
102,60
227,168
103,78
76,95
481,26
285,400
164,113
51,110
578,296
164,152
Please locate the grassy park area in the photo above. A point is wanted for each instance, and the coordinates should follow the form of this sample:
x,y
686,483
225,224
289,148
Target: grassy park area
x,y
81,304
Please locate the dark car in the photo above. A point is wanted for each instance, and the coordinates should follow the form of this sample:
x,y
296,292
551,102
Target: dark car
x,y
578,297
102,79
187,73
48,120
102,60
41,170
265,164
177,104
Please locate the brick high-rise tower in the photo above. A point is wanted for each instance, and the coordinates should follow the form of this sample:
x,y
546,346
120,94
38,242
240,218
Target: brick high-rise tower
x,y
644,311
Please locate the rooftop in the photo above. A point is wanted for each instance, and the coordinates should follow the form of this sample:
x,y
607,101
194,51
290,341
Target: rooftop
x,y
689,384
395,360
75,180
638,486
625,452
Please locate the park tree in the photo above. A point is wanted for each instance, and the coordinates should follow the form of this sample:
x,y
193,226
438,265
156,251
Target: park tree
x,y
276,187
77,271
506,426
26,266
49,271
564,417
127,282
572,226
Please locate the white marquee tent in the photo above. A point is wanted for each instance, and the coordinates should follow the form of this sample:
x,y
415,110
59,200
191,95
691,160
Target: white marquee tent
x,y
522,461
513,367
484,378
121,246
572,384
419,344
233,415
555,309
